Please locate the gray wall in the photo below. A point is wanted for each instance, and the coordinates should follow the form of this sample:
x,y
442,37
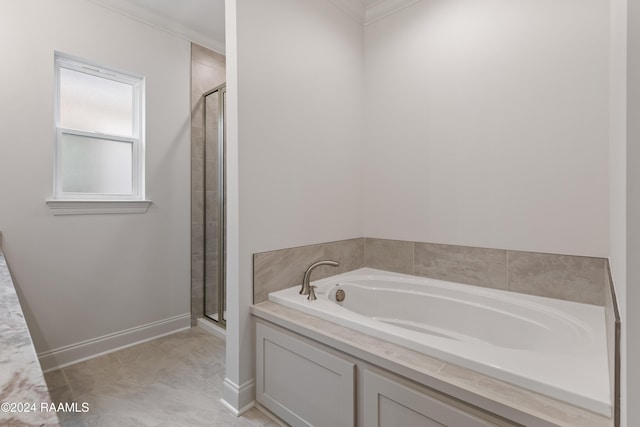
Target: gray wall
x,y
84,277
486,125
294,80
633,218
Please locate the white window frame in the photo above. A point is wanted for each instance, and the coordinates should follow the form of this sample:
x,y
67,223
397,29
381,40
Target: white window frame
x,y
86,203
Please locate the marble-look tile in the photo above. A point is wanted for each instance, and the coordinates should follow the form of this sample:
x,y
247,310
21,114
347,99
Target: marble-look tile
x,y
281,269
197,207
197,287
212,111
197,142
205,56
212,210
197,239
171,381
197,268
85,377
556,276
211,243
462,264
251,418
206,77
198,292
389,255
211,153
197,306
536,404
55,380
59,388
211,300
184,360
349,253
75,419
572,278
352,338
211,105
211,174
197,175
211,279
213,383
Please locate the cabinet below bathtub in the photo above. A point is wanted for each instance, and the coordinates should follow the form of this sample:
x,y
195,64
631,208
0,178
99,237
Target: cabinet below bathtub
x,y
302,383
390,401
307,383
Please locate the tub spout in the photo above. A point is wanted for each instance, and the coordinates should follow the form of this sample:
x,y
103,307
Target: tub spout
x,y
307,275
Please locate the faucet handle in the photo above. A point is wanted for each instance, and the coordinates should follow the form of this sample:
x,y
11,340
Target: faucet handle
x,y
304,290
312,293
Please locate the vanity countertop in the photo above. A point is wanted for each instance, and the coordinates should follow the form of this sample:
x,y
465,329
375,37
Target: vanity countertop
x,y
498,397
24,397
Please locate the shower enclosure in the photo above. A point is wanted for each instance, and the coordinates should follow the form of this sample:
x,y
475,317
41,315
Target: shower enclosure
x,y
214,205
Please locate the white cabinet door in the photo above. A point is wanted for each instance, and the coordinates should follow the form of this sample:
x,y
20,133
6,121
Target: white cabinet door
x,y
388,403
302,384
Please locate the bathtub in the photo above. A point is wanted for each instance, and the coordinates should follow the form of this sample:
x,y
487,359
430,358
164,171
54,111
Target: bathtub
x,y
552,347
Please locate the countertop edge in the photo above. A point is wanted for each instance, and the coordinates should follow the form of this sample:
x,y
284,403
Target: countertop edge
x,y
21,377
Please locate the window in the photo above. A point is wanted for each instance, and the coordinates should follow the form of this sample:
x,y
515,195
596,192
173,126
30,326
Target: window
x,y
99,147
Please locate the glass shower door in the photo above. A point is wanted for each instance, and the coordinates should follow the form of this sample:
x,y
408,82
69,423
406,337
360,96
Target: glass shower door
x,y
214,205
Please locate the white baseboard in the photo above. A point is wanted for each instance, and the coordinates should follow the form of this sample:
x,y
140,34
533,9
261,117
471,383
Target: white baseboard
x,y
212,328
238,399
78,352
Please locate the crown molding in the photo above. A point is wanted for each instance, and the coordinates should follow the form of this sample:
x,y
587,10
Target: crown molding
x,y
360,11
382,8
354,8
160,22
370,12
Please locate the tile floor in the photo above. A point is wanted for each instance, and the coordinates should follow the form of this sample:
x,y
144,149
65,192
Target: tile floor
x,y
174,381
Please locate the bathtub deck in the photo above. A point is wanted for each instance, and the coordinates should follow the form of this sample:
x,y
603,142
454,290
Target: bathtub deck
x,y
552,347
509,401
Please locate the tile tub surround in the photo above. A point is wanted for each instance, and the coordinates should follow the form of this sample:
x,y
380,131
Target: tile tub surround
x,y
512,402
281,269
567,277
21,378
576,278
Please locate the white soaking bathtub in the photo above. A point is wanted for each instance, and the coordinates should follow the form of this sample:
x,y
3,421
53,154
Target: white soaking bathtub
x,y
553,347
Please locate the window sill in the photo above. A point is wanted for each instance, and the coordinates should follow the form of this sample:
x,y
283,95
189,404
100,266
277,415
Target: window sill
x,y
94,207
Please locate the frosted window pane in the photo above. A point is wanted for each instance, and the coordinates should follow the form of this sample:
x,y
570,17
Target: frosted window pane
x,y
94,165
95,104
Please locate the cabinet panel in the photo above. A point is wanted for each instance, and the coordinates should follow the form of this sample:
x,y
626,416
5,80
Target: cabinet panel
x,y
388,403
302,384
392,413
